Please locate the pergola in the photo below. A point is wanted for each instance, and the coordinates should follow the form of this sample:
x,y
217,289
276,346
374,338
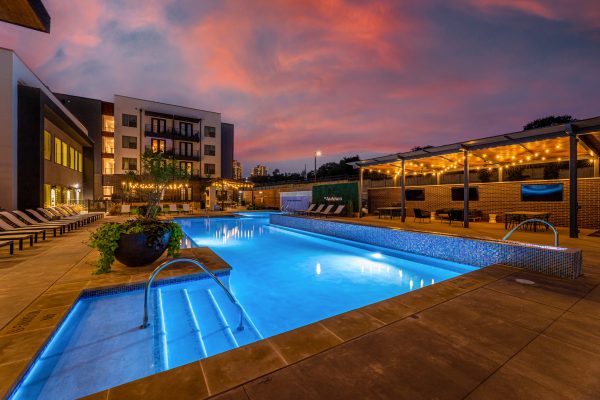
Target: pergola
x,y
568,142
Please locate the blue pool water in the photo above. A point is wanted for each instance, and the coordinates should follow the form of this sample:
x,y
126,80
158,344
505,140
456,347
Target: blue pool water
x,y
283,278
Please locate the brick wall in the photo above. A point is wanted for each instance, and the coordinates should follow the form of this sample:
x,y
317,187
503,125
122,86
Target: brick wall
x,y
500,197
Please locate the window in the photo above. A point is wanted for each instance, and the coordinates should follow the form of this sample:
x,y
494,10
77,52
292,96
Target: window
x,y
80,163
186,166
108,145
209,150
107,191
209,169
72,164
130,120
47,145
158,146
209,131
185,129
57,150
108,122
129,142
65,154
129,164
159,125
185,149
186,194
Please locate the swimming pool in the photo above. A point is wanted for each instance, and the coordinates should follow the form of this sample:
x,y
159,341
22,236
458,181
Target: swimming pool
x,y
283,278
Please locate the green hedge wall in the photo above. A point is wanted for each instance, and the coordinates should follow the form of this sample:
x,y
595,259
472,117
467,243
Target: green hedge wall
x,y
336,193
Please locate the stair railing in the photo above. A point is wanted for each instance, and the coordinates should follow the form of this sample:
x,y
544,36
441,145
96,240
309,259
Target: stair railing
x,y
535,220
162,266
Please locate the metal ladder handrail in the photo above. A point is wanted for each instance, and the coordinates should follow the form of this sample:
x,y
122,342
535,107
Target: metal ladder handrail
x,y
535,220
162,266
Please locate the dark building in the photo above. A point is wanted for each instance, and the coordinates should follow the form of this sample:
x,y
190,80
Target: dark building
x,y
227,136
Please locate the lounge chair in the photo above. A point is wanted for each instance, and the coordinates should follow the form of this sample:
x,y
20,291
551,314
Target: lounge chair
x,y
52,225
44,219
326,211
95,215
337,212
13,219
308,210
185,207
318,210
10,244
173,208
5,227
126,209
69,214
421,214
54,215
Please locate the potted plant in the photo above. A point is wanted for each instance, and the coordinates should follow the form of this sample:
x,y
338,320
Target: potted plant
x,y
142,240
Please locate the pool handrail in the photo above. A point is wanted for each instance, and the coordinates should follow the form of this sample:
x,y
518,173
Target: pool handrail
x,y
197,263
535,220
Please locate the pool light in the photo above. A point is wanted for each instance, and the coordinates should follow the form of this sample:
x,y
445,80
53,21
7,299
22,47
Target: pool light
x,y
377,255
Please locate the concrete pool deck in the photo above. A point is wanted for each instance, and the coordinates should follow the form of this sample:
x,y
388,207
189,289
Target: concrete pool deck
x,y
480,335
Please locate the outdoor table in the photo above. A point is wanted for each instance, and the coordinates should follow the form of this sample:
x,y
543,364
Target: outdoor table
x,y
389,211
523,215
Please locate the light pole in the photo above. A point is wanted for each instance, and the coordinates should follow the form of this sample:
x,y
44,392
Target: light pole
x,y
317,154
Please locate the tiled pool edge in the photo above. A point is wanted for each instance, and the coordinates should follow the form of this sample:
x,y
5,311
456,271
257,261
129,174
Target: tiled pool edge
x,y
559,262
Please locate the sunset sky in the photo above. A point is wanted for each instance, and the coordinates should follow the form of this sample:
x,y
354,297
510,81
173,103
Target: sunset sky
x,y
345,77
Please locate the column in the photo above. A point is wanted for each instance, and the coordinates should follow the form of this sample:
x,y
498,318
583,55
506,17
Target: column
x,y
360,191
573,206
402,197
596,161
466,188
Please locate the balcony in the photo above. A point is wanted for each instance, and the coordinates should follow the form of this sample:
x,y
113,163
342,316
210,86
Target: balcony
x,y
190,136
163,134
172,133
108,171
189,156
108,152
108,133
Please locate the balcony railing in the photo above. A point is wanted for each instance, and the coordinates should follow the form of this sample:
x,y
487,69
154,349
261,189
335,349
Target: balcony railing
x,y
172,133
108,171
178,154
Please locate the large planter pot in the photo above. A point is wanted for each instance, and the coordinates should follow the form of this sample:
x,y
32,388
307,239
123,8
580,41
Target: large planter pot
x,y
134,252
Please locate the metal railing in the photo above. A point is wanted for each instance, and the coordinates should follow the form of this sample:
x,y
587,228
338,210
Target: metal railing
x,y
535,221
162,266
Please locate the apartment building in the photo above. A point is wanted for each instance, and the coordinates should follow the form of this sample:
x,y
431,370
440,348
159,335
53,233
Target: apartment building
x,y
196,139
46,155
260,170
237,170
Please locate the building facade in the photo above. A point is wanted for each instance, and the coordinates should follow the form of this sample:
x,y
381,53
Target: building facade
x,y
46,155
196,139
260,170
237,170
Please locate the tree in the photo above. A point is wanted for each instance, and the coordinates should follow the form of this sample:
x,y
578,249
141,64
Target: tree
x,y
548,121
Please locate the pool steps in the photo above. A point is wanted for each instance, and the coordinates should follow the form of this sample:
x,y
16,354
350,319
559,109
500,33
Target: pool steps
x,y
197,323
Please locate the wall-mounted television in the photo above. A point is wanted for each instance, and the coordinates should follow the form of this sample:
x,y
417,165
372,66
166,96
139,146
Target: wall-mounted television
x,y
458,194
542,192
414,195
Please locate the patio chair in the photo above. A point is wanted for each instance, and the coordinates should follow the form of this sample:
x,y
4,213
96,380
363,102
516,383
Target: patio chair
x,y
44,219
93,215
325,212
421,214
318,210
308,210
126,209
185,207
456,215
173,208
56,214
337,211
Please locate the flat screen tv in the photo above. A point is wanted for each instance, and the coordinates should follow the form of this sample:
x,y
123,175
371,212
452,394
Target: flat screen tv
x,y
542,192
458,194
414,194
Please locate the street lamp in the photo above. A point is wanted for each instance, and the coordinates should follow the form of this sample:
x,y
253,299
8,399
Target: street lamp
x,y
317,154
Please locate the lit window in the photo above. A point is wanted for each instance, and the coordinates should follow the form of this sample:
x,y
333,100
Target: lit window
x,y
65,154
47,145
57,150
